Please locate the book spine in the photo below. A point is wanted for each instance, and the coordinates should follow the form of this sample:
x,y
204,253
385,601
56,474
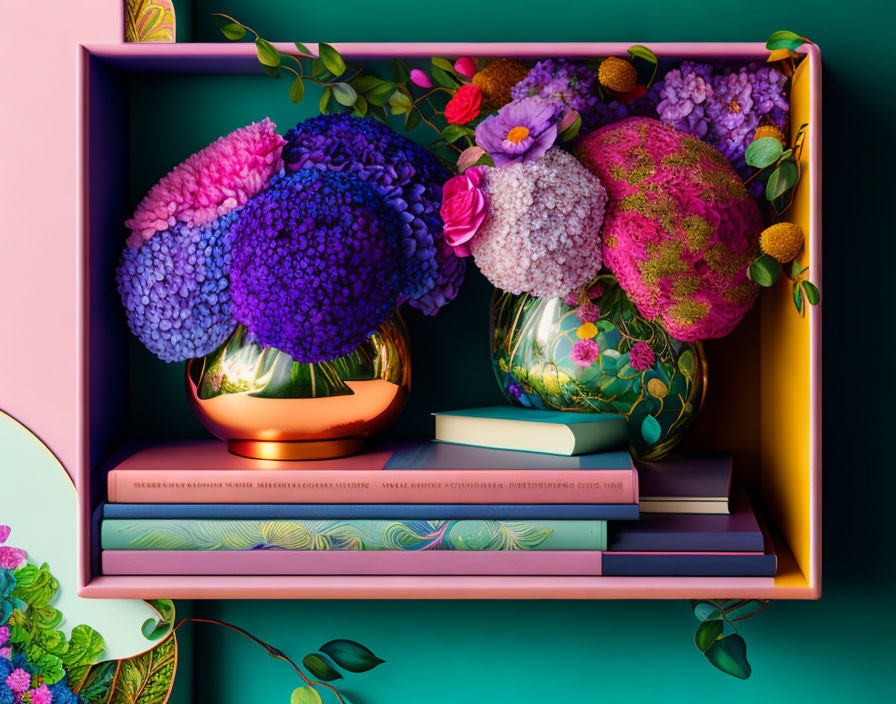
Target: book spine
x,y
436,562
689,565
610,486
497,512
341,535
659,541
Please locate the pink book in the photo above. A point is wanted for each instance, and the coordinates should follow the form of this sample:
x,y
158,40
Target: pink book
x,y
411,473
286,562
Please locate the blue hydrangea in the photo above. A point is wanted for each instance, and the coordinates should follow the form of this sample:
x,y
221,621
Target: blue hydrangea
x,y
316,264
407,176
175,289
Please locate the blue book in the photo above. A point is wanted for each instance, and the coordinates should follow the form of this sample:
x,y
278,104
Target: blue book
x,y
532,430
688,565
497,512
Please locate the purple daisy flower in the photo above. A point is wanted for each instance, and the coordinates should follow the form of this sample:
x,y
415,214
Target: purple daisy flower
x,y
521,131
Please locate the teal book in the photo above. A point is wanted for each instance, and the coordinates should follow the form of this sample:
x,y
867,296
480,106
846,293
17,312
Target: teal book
x,y
191,534
532,430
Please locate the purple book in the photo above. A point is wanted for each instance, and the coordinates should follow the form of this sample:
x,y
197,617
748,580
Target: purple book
x,y
693,483
662,532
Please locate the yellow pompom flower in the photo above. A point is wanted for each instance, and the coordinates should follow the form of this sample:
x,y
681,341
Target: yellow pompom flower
x,y
586,331
496,80
770,131
782,241
617,75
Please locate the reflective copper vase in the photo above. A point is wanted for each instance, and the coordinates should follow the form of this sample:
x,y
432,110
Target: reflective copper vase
x,y
267,406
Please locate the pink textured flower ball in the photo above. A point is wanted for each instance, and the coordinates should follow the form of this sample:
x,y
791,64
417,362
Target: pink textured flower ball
x,y
211,182
641,357
464,208
542,233
41,695
584,353
588,313
18,680
681,229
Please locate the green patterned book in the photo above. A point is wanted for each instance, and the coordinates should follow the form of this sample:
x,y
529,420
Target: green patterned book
x,y
191,534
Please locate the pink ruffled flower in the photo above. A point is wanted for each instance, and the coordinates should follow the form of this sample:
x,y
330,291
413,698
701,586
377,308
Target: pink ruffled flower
x,y
464,208
211,182
4,533
41,695
588,313
4,635
418,78
11,558
6,653
18,680
585,353
641,357
465,66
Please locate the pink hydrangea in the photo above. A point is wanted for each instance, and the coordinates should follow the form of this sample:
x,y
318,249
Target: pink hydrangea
x,y
11,558
4,635
18,680
41,695
584,353
4,533
681,229
6,653
641,357
588,313
542,233
211,182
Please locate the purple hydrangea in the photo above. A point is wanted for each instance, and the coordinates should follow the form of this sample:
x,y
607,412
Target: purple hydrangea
x,y
317,264
175,289
684,93
407,176
565,85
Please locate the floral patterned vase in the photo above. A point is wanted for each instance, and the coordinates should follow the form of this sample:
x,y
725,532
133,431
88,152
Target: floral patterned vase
x,y
267,406
593,353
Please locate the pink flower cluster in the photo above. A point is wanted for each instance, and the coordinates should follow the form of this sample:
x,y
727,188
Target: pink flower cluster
x,y
211,182
681,229
542,233
10,558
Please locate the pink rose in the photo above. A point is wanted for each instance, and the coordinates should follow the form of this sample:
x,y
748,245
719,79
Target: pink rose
x,y
464,208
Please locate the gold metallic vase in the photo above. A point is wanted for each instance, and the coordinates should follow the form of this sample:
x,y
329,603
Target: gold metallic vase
x,y
267,406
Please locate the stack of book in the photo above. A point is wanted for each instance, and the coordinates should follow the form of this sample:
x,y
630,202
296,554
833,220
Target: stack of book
x,y
453,507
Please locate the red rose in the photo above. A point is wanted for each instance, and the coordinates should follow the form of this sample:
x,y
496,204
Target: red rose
x,y
464,106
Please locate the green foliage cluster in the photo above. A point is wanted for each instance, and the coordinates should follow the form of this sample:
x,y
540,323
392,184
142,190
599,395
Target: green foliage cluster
x,y
717,637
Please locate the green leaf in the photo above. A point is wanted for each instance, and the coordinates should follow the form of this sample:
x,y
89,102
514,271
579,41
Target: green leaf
x,y
377,113
642,52
443,64
360,107
813,296
650,430
798,298
318,70
706,611
297,90
380,94
331,59
325,100
318,666
796,269
351,656
147,678
452,133
708,633
303,49
344,94
572,131
400,69
411,120
267,54
765,270
305,695
763,152
229,28
784,40
782,180
400,99
365,82
443,78
729,654
96,686
84,647
270,71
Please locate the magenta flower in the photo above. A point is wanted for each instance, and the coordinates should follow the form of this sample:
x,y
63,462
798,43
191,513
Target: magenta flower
x,y
521,131
419,78
10,558
641,357
584,353
574,298
465,66
41,695
4,533
588,313
6,653
595,291
4,634
464,207
18,681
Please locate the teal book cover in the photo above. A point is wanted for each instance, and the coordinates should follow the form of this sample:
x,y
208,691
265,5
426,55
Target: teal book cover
x,y
186,534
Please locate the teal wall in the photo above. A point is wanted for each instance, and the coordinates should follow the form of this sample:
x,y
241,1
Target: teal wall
x,y
834,650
